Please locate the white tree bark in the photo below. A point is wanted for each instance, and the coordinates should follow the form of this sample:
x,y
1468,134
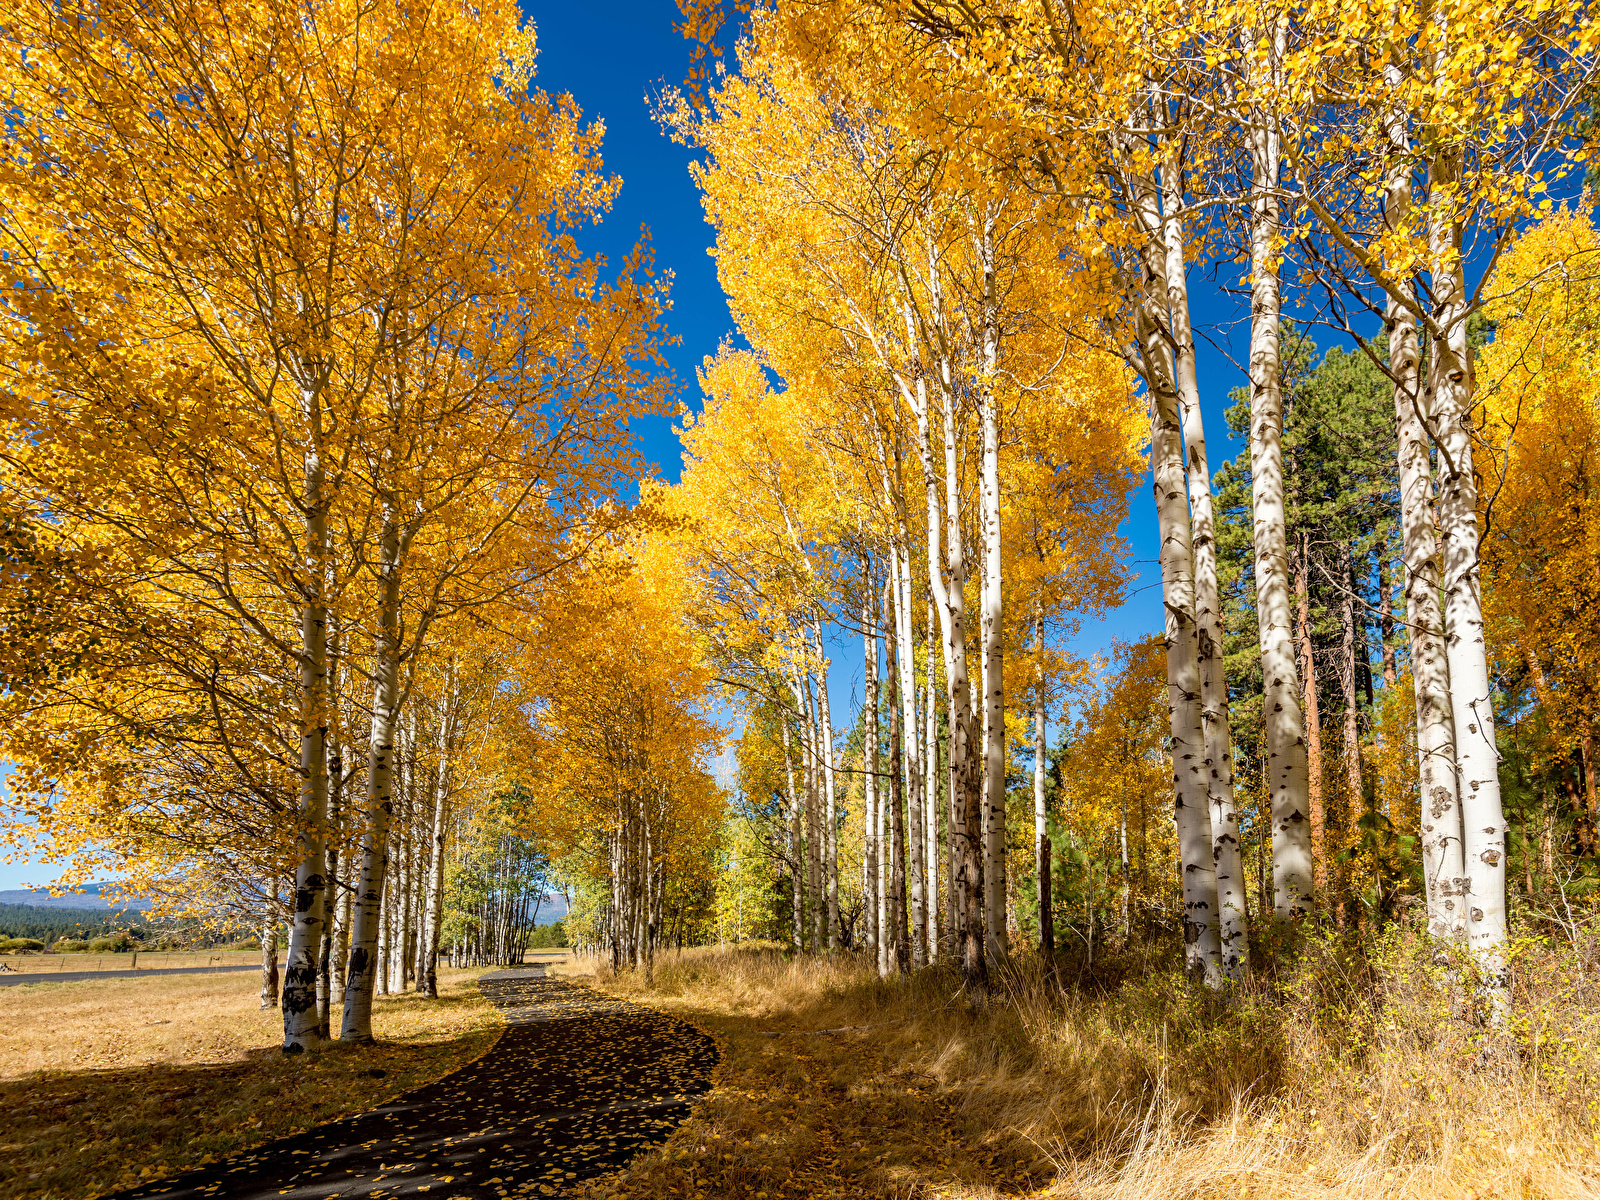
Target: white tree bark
x,y
796,846
830,833
1483,820
1288,775
269,955
1201,934
994,713
428,954
360,980
1441,831
1041,830
930,790
1208,604
302,1027
907,684
869,765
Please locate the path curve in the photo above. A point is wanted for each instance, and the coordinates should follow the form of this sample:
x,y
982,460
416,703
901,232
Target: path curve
x,y
578,1084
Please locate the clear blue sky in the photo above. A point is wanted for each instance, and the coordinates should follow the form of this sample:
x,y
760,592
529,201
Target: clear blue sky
x,y
614,58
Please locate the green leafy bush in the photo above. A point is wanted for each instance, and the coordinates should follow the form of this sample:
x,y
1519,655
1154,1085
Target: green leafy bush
x,y
21,943
546,937
70,946
109,945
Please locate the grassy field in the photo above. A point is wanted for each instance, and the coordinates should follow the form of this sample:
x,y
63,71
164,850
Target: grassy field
x,y
1332,1075
104,1083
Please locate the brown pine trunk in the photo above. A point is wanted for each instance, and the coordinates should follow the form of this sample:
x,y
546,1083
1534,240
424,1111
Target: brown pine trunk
x,y
1386,621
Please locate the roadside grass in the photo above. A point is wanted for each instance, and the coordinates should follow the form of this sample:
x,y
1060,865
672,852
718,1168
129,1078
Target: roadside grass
x,y
1331,1074
108,1083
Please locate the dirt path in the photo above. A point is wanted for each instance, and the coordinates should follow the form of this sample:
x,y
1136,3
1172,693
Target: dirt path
x,y
577,1085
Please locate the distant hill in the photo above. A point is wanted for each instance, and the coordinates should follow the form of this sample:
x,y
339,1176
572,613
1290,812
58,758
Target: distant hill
x,y
48,924
92,896
553,909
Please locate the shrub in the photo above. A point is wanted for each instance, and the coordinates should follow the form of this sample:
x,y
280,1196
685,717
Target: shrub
x,y
108,945
21,944
546,937
70,946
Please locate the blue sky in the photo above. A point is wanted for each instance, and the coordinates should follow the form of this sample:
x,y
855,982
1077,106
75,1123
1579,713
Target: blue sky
x,y
614,58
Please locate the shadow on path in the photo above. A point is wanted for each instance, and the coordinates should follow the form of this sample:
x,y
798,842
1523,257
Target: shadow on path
x,y
577,1085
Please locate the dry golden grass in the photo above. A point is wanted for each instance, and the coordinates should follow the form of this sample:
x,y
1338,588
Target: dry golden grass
x,y
1331,1076
104,1083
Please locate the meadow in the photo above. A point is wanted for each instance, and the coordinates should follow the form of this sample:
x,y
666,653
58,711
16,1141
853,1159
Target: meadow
x,y
108,1082
1332,1074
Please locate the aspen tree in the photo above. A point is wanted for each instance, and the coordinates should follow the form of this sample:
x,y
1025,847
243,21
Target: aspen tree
x,y
1041,836
1208,605
1465,103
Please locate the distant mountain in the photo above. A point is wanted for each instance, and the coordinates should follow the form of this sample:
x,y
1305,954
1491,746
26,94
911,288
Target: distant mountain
x,y
95,896
553,909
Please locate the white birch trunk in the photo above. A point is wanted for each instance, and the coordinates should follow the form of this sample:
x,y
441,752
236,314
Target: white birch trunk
x,y
869,766
966,819
269,958
1208,605
1430,673
796,851
907,685
930,791
1288,775
433,910
356,1025
301,1021
994,712
1041,825
1483,821
830,867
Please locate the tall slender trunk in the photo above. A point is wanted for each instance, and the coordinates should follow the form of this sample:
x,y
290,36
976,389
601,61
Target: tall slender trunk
x,y
1197,868
930,791
356,1025
1127,873
1041,833
906,685
433,910
796,849
1438,777
993,617
1286,750
899,950
301,1024
869,762
269,956
830,868
1483,819
966,819
1216,727
1352,726
332,899
1313,719
947,580
1202,940
1386,618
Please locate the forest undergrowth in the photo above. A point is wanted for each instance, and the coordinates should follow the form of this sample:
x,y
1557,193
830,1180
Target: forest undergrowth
x,y
1333,1071
109,1082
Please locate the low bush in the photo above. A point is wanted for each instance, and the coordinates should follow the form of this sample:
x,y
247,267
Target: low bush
x,y
547,937
70,946
20,944
1344,1067
110,945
